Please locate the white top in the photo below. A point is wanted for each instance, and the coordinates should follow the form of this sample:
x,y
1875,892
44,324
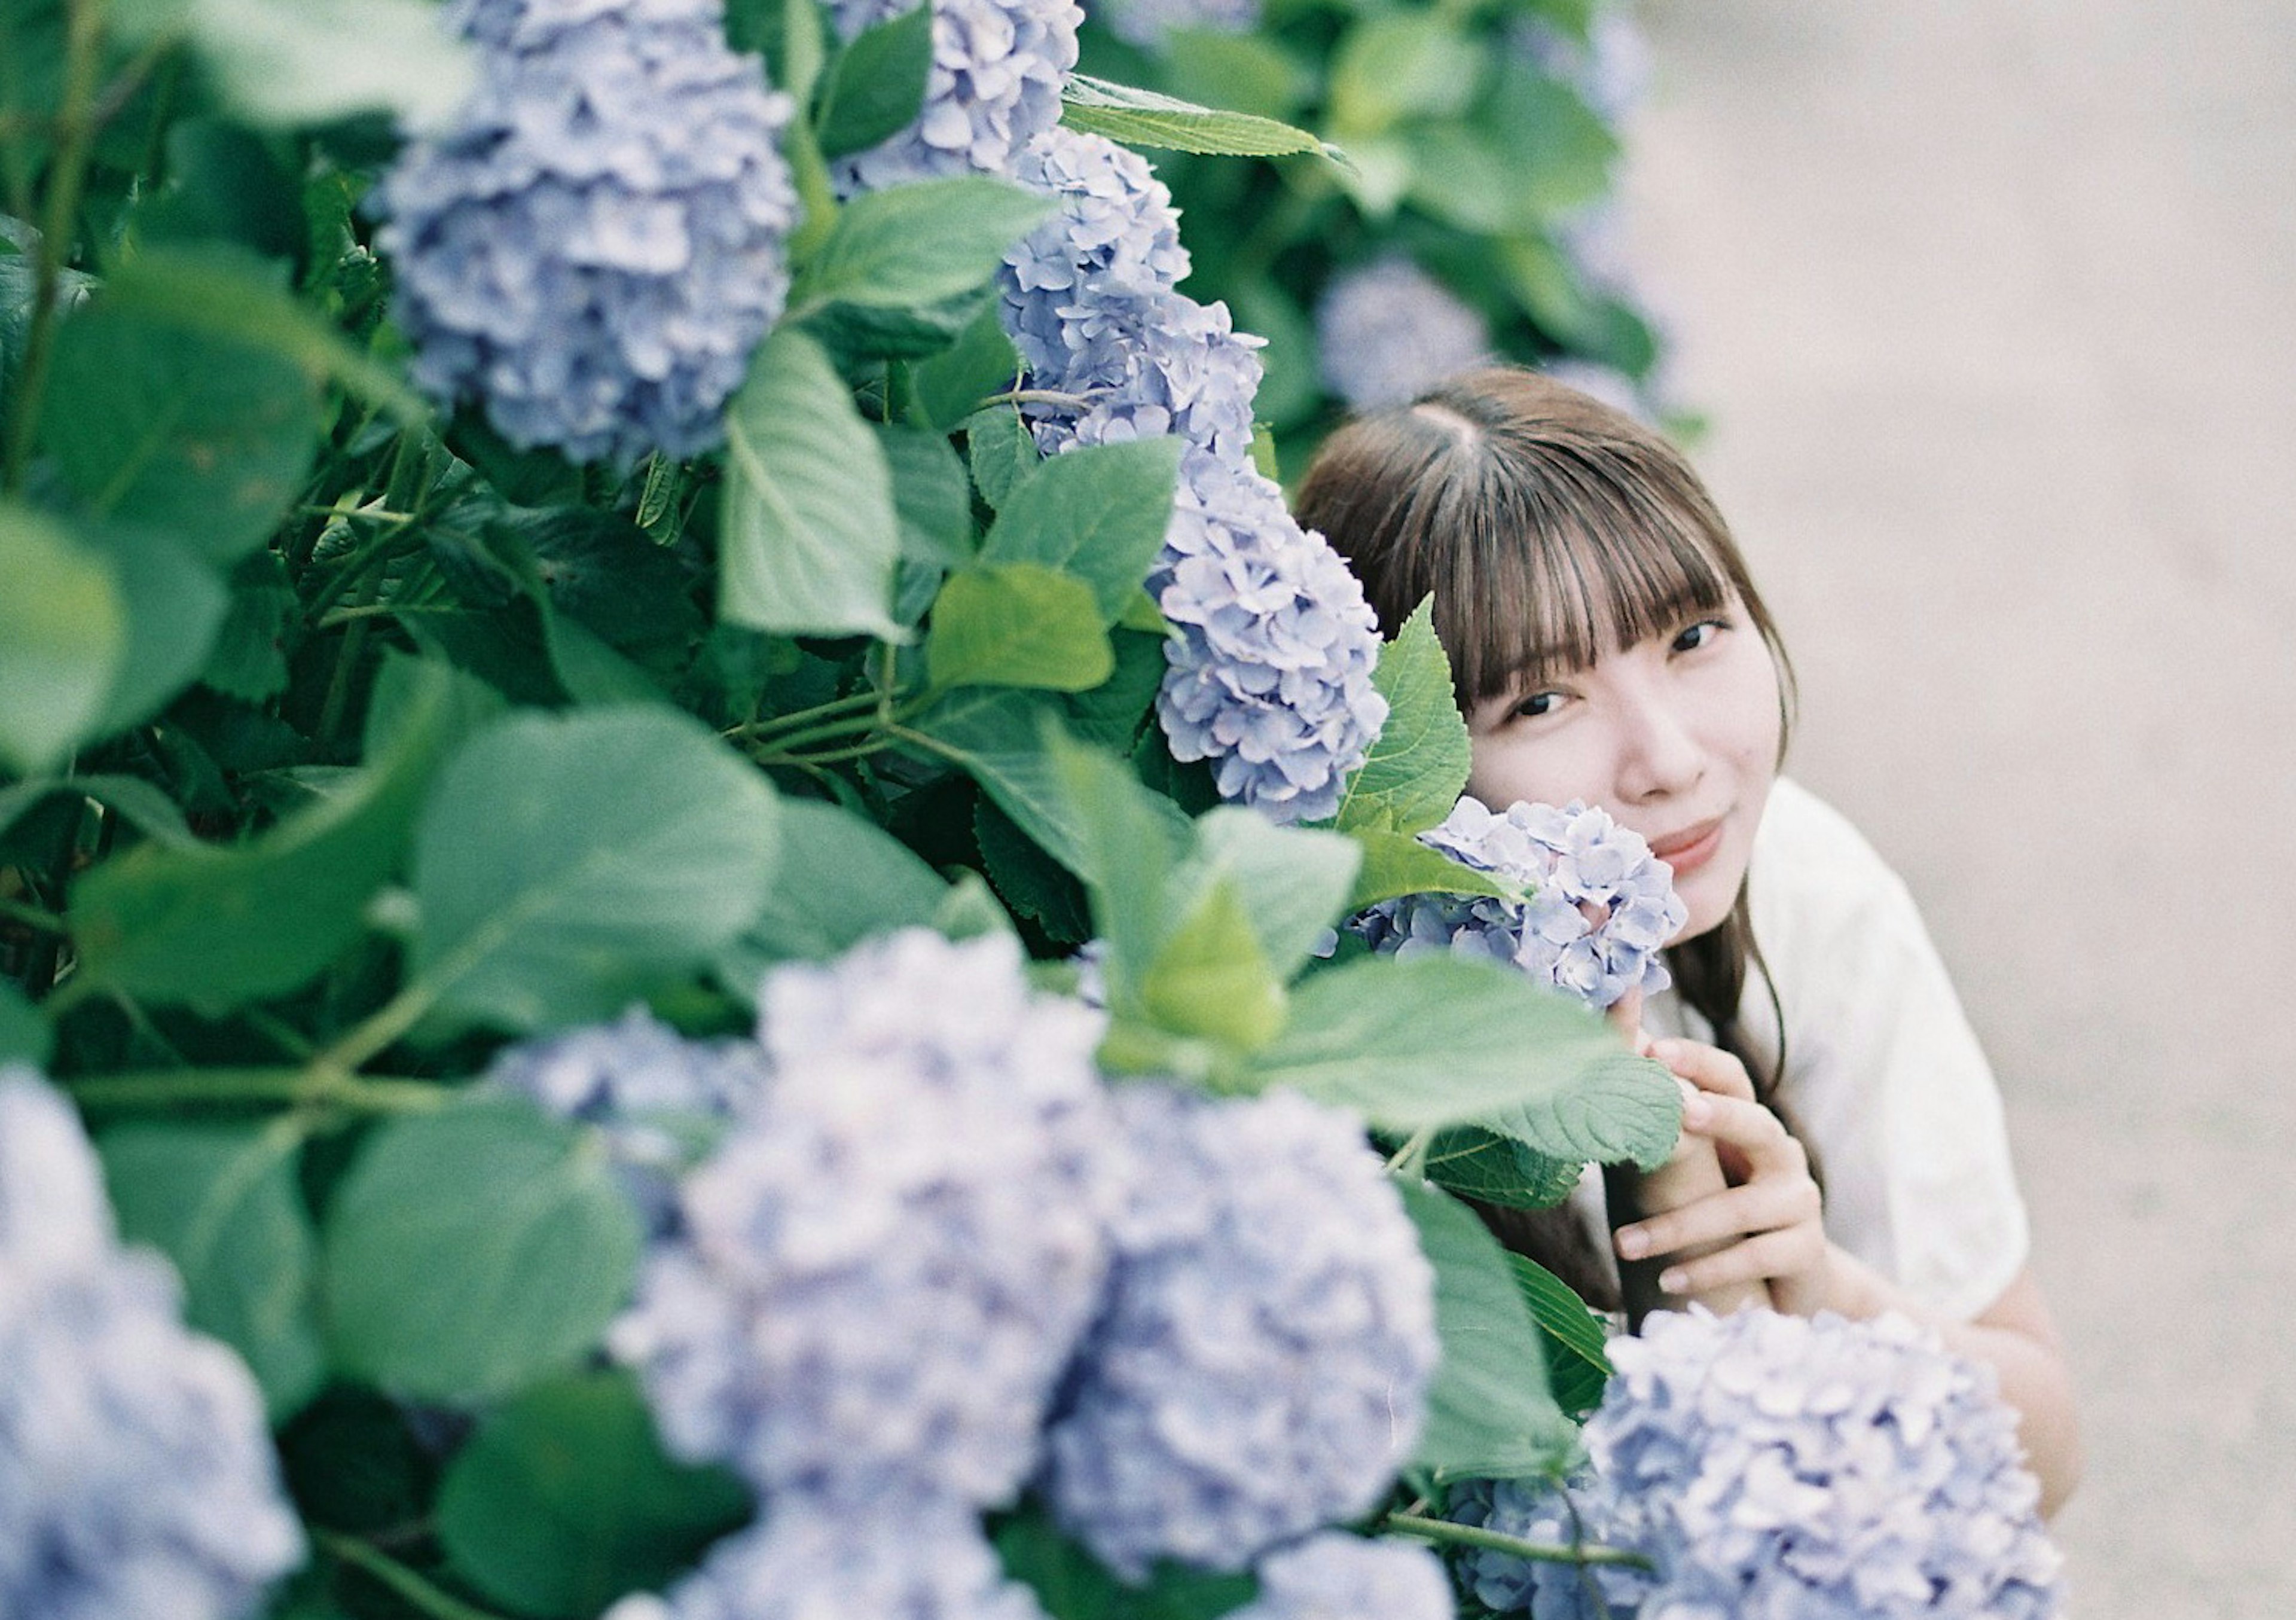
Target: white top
x,y
1885,1078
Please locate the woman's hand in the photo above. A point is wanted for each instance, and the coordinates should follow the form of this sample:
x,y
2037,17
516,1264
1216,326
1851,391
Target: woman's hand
x,y
1762,1227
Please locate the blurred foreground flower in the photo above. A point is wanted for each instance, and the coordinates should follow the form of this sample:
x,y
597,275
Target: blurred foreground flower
x,y
136,1474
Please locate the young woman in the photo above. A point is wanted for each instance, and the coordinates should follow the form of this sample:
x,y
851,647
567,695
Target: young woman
x,y
1608,645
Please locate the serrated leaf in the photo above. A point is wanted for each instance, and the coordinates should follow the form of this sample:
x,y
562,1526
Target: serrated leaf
x,y
223,1203
1017,624
1099,512
1417,767
873,88
1492,1168
917,244
808,533
1143,117
1030,882
552,891
472,1250
982,361
1396,864
1001,451
1489,1413
1443,1040
1578,1358
930,496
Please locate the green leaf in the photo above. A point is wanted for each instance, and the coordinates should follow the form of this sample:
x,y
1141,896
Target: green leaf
x,y
1562,149
217,928
1030,882
1018,624
1442,1040
839,880
313,61
1098,511
208,438
1143,117
564,1501
952,384
175,605
930,496
471,1251
1210,977
1396,864
248,658
1492,1168
917,244
1578,1358
1417,767
141,805
1293,882
872,90
63,635
1397,65
807,535
223,1202
1128,843
1002,452
25,1036
1490,1414
564,865
1074,1585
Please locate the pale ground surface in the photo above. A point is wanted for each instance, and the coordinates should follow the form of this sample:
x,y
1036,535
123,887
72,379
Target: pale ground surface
x,y
1993,305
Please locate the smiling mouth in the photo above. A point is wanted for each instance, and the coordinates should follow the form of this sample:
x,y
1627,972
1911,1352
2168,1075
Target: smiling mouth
x,y
1690,849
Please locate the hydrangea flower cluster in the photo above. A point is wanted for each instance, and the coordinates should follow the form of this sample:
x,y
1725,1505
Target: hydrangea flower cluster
x,y
137,1475
1260,1367
1387,332
597,242
1270,672
1552,1515
1573,858
1782,1465
1145,22
924,1172
659,1100
1338,1577
994,84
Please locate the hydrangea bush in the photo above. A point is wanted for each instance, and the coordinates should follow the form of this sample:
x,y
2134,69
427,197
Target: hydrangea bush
x,y
593,613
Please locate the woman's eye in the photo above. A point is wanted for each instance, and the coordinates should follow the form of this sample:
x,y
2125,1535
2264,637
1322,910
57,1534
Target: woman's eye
x,y
1536,704
1696,635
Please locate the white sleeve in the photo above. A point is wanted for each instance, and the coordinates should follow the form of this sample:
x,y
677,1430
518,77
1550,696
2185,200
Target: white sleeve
x,y
1884,1074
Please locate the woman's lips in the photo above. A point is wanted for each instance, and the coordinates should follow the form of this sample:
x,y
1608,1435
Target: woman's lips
x,y
1691,848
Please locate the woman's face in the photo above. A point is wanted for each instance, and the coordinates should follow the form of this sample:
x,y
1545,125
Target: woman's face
x,y
1677,736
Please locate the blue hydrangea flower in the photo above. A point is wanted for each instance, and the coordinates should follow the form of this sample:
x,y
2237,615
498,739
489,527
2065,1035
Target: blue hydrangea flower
x,y
596,244
878,1276
1773,1464
1609,67
661,1099
1261,1364
137,1475
1535,1510
902,1558
998,69
1574,857
1145,22
1387,332
1337,1576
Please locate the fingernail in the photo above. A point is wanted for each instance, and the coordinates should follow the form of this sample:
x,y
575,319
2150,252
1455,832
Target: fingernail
x,y
1696,1111
1671,1280
1633,1244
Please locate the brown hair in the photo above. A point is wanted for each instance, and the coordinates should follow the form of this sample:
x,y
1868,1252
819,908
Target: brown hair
x,y
1547,527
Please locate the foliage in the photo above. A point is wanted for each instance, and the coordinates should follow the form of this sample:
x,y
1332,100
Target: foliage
x,y
413,664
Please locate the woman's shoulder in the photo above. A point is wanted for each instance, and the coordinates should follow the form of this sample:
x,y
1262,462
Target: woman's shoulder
x,y
1817,884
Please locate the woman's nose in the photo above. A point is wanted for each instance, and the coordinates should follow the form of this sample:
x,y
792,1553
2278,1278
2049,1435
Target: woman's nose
x,y
1659,754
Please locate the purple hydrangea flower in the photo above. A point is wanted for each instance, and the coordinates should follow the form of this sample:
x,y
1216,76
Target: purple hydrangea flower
x,y
1785,1464
661,1099
1261,1364
1145,22
1535,1510
1270,674
136,1474
1387,332
1572,858
998,69
878,1276
595,243
902,1558
1337,1576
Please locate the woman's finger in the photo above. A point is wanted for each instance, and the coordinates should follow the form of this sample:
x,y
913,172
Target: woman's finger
x,y
1773,1254
1739,1212
1769,1149
1710,1068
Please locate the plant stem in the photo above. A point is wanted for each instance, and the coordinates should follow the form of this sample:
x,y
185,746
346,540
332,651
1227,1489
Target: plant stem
x,y
377,1030
75,132
800,717
432,1601
1470,1535
1412,1157
309,1085
31,917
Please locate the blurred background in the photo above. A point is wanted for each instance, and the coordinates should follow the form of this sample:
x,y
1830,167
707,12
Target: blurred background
x,y
1988,308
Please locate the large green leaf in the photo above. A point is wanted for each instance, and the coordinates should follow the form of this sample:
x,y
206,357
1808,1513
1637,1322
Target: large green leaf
x,y
1481,1164
1143,118
25,1036
63,638
1129,842
1578,1360
930,496
1489,1413
1017,624
472,1250
138,804
222,1202
1442,1040
312,62
1417,767
1396,864
981,362
175,605
809,534
839,878
1098,511
564,1501
1401,64
1293,882
873,89
216,928
917,244
564,865
1210,977
1002,453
